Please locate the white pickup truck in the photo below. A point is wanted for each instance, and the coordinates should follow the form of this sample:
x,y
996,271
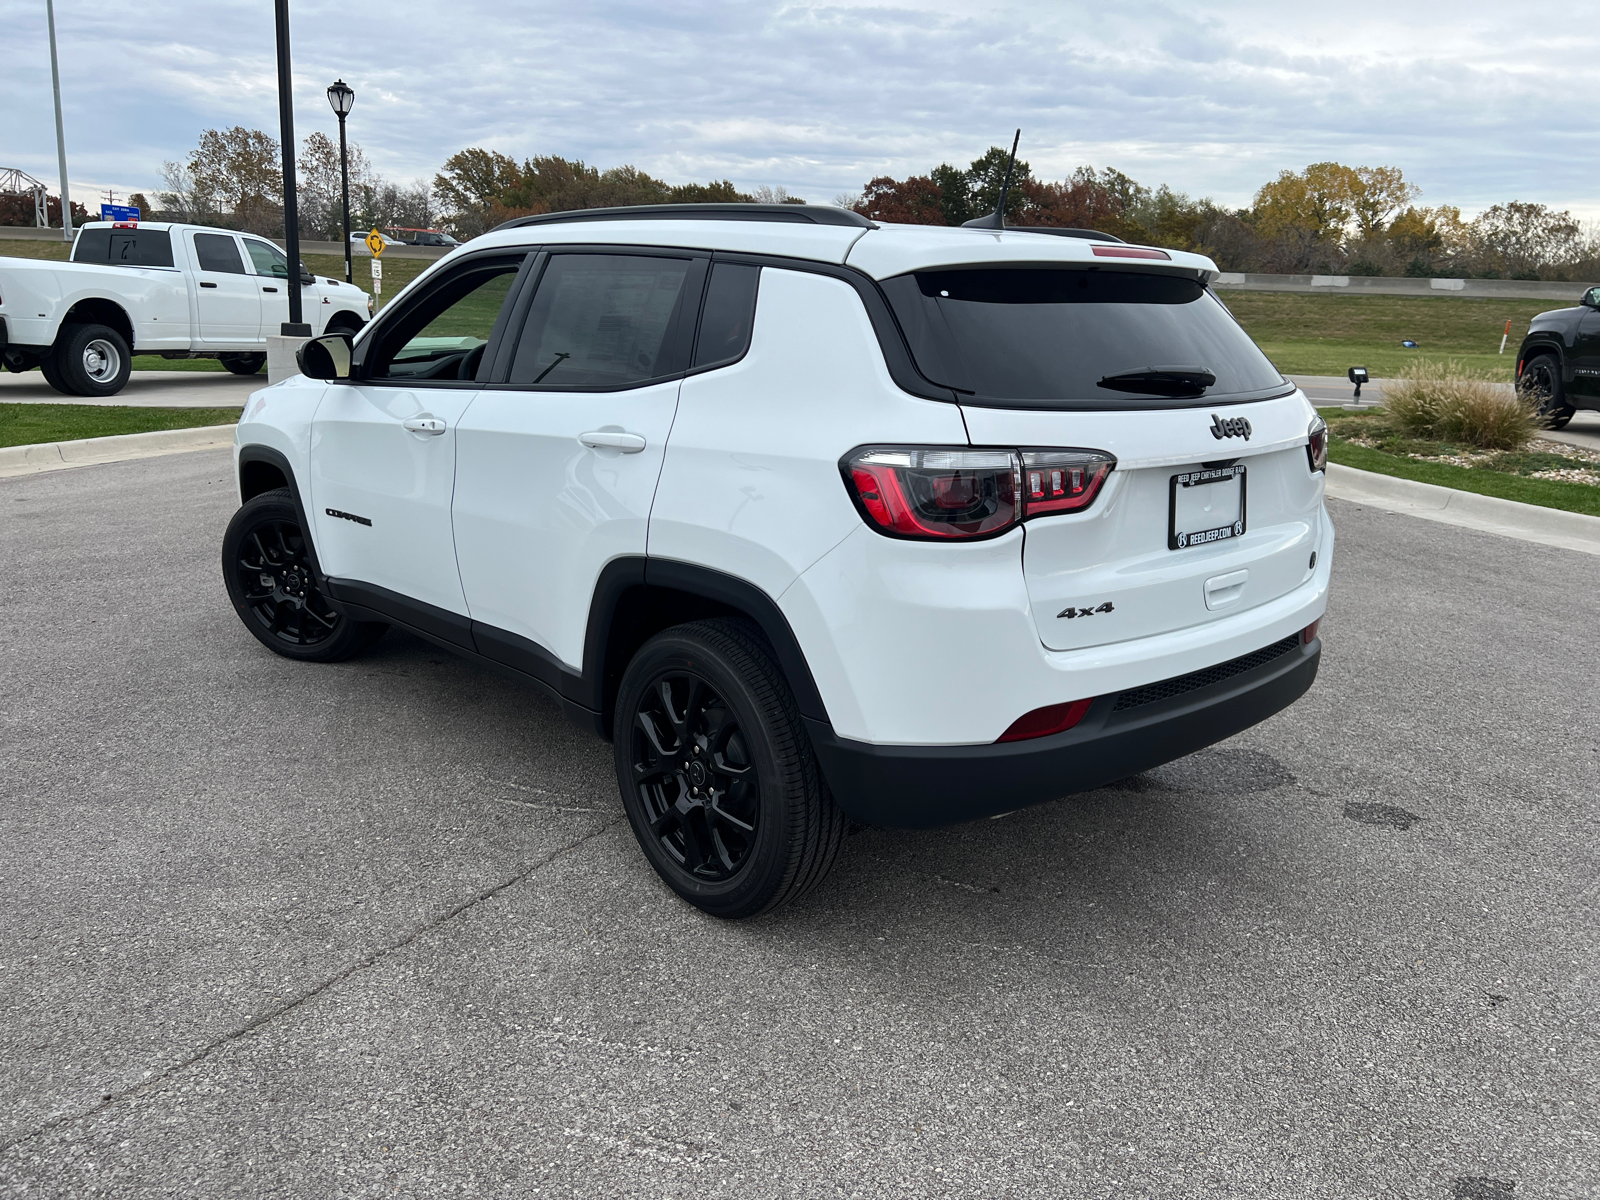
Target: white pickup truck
x,y
180,291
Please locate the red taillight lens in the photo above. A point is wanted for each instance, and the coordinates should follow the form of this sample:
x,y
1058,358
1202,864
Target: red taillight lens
x,y
935,493
1041,722
1309,633
1317,445
951,493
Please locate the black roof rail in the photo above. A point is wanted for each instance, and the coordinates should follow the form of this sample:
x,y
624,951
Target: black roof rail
x,y
1092,235
798,214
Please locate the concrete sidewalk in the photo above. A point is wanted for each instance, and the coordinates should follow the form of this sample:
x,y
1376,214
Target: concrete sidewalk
x,y
146,389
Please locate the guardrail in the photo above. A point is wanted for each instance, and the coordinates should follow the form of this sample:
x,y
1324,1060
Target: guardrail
x,y
1386,285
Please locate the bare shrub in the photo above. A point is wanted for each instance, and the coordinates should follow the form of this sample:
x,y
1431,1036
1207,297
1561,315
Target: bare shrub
x,y
1448,403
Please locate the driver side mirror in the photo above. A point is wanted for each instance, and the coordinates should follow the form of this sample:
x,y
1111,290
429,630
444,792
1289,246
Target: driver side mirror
x,y
306,277
326,357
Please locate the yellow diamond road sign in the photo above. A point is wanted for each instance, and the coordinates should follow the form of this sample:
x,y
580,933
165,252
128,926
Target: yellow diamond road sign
x,y
375,243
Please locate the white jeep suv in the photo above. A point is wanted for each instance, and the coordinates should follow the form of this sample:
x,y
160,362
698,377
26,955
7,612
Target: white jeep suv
x,y
815,519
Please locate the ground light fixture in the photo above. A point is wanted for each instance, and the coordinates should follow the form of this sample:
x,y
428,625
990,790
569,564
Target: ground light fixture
x,y
342,98
1358,376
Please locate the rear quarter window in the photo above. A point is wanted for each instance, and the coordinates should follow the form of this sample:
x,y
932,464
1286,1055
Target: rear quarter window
x,y
1051,337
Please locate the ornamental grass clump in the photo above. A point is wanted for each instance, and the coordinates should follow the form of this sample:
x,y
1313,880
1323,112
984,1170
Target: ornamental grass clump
x,y
1445,402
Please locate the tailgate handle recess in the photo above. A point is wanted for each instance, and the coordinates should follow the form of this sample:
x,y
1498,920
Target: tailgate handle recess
x,y
1223,590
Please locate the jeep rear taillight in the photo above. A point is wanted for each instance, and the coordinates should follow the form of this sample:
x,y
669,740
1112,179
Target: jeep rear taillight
x,y
951,493
935,493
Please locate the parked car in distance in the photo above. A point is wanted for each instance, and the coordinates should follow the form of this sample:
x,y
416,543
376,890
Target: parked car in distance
x,y
424,237
1558,363
360,239
815,519
178,291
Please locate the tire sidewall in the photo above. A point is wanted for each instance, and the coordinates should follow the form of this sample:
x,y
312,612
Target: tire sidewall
x,y
69,360
764,872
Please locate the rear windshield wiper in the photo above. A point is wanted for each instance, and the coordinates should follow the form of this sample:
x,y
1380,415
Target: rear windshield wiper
x,y
1161,381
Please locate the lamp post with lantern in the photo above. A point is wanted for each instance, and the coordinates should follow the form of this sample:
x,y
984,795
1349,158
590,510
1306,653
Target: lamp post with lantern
x,y
343,98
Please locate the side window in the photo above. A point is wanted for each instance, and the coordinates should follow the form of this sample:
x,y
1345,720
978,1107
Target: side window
x,y
603,320
443,334
728,314
269,260
218,252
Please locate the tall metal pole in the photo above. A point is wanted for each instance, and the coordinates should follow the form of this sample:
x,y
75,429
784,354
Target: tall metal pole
x,y
295,326
61,137
344,176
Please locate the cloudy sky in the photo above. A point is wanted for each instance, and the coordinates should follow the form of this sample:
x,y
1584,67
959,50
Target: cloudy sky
x,y
1476,104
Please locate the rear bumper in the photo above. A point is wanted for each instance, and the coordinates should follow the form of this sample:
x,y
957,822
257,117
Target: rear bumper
x,y
1122,734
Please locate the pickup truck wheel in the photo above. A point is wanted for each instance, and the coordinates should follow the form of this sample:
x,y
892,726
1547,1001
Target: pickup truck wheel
x,y
52,375
717,776
93,360
270,571
243,364
1541,386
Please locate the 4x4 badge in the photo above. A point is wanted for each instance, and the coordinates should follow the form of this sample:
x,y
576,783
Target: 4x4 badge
x,y
1232,427
1069,612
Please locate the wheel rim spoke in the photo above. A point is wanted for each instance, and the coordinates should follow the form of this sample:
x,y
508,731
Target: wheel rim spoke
x,y
275,582
697,790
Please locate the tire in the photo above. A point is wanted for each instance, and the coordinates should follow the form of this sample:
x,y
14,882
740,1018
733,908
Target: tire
x,y
1541,384
243,364
270,570
93,360
717,776
47,367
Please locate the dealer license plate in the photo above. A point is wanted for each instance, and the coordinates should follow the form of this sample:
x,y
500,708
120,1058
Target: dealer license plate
x,y
1207,506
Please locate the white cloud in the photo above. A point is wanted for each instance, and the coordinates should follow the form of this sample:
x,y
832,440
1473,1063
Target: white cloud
x,y
819,97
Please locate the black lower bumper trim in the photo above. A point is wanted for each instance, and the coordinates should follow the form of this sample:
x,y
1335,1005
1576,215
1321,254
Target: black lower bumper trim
x,y
924,786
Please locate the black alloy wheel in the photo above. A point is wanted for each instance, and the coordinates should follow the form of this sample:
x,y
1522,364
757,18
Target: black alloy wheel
x,y
695,776
717,775
272,578
1542,387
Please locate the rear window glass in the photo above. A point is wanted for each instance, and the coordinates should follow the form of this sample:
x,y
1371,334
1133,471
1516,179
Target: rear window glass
x,y
1077,338
218,252
124,247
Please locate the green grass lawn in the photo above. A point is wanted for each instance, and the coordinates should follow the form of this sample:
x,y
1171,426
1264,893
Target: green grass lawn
x,y
25,424
1307,334
1505,479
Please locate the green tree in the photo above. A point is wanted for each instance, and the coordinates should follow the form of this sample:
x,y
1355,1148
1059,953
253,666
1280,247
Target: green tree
x,y
236,174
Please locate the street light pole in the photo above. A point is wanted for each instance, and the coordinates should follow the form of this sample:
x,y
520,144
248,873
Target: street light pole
x,y
61,137
343,98
295,325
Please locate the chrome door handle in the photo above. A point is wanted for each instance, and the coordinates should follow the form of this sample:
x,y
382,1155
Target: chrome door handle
x,y
431,426
612,439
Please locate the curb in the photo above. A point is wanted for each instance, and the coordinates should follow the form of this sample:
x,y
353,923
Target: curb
x,y
1488,514
84,452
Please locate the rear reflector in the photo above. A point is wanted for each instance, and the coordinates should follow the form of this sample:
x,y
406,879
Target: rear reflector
x,y
1309,633
1041,722
1128,252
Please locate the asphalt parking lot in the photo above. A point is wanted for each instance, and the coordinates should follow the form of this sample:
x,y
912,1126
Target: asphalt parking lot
x,y
379,929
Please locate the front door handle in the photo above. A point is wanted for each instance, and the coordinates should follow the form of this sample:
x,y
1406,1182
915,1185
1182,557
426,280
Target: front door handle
x,y
430,426
267,289
207,283
612,439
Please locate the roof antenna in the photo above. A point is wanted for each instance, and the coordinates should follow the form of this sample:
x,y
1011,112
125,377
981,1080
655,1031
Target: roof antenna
x,y
997,219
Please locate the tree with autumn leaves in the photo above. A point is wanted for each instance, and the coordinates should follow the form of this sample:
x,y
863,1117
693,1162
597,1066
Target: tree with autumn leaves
x,y
1328,218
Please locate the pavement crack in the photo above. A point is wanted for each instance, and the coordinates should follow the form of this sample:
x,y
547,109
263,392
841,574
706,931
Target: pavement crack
x,y
311,993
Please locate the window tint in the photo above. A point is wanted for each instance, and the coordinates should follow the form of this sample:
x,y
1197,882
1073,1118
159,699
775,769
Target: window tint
x,y
124,247
269,260
442,336
602,320
1061,335
727,315
218,252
